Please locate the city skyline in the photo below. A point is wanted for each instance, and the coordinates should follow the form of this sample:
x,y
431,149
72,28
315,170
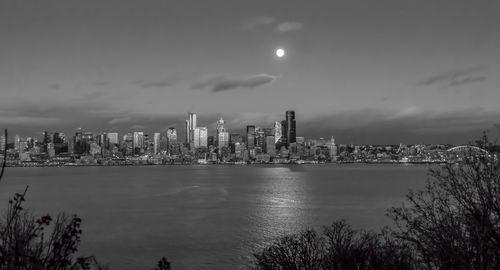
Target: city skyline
x,y
385,72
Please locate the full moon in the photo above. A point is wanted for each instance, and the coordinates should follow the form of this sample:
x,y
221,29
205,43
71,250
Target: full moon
x,y
280,53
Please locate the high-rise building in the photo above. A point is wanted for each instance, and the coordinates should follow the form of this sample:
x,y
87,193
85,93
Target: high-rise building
x,y
283,140
277,131
171,135
59,137
17,143
47,138
223,139
190,126
138,143
291,131
200,137
250,137
332,147
128,143
3,143
260,138
113,138
271,146
222,134
156,143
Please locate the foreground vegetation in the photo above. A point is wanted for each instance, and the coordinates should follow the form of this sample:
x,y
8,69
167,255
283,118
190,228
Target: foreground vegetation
x,y
454,223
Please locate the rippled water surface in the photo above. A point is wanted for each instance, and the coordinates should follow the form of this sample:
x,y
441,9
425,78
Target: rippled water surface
x,y
208,217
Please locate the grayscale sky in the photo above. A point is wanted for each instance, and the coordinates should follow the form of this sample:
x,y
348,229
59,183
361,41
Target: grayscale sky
x,y
361,71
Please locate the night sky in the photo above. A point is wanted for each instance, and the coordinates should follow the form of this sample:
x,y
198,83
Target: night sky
x,y
361,71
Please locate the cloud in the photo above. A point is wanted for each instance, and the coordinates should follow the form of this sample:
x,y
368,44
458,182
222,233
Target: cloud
x,y
286,27
220,83
157,84
257,21
455,77
467,80
120,120
55,86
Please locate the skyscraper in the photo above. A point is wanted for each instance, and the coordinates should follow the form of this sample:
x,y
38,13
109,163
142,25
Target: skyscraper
x,y
17,143
113,138
222,134
190,126
171,135
291,132
277,132
3,143
200,137
138,143
283,141
270,146
156,143
251,137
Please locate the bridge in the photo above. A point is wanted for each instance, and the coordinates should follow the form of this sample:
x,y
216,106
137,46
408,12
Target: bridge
x,y
465,148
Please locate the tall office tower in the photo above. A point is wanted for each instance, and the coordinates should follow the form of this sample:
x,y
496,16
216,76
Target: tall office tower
x,y
291,133
58,137
260,138
171,135
277,131
113,138
211,141
250,137
332,147
190,126
71,146
138,143
17,143
3,143
187,133
102,140
235,139
270,146
223,139
200,137
222,134
128,142
156,143
30,142
47,138
283,141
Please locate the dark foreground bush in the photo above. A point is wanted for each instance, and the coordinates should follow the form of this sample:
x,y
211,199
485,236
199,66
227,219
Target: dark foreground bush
x,y
454,223
338,246
27,242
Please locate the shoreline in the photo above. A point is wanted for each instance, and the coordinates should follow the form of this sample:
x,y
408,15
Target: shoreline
x,y
226,163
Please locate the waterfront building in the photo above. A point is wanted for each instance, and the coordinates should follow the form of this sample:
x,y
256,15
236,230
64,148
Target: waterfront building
x,y
251,137
271,146
200,137
222,134
17,143
291,129
211,141
3,143
283,141
172,135
156,143
223,139
190,126
277,131
260,138
113,138
138,142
